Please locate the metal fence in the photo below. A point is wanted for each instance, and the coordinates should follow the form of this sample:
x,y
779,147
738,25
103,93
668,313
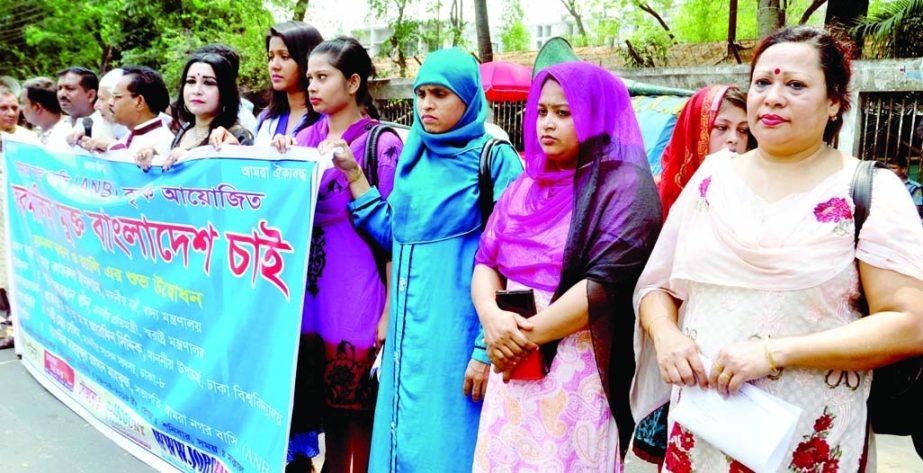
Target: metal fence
x,y
396,110
892,128
506,115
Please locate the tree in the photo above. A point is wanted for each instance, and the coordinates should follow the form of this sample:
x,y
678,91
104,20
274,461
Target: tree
x,y
663,24
40,37
845,12
457,22
485,48
300,10
513,35
770,16
815,4
733,47
403,30
571,6
895,29
704,21
649,36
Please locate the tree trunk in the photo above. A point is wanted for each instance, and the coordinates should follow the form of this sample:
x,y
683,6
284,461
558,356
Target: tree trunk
x,y
485,49
301,9
732,32
457,20
769,16
571,6
663,24
810,10
843,14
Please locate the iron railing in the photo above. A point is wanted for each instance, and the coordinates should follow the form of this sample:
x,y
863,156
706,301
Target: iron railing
x,y
892,128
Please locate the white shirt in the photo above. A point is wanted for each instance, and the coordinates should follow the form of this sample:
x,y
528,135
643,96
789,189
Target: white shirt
x,y
100,129
56,136
245,117
153,132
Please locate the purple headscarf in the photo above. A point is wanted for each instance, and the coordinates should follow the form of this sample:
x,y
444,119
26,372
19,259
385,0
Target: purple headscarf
x,y
553,229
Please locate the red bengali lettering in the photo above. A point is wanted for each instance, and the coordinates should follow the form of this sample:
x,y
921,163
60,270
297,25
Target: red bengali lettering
x,y
269,264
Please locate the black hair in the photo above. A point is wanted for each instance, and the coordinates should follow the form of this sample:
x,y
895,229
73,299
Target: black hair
x,y
147,83
224,51
300,38
348,55
835,53
228,96
42,90
88,78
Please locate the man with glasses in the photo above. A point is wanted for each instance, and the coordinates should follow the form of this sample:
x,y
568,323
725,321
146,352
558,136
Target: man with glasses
x,y
137,101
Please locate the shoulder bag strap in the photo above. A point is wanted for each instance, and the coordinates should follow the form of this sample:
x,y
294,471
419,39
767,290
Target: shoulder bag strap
x,y
370,158
485,180
861,192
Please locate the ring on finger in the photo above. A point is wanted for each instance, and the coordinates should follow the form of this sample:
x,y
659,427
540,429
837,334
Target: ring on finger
x,y
724,376
717,367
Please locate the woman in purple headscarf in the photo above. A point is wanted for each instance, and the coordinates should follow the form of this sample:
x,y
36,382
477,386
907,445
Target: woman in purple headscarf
x,y
576,228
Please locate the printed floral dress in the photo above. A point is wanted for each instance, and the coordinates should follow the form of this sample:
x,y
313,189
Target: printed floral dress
x,y
561,422
749,269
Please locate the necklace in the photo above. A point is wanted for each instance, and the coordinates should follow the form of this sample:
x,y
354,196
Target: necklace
x,y
195,136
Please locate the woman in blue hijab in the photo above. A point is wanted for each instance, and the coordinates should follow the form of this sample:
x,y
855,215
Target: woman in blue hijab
x,y
431,222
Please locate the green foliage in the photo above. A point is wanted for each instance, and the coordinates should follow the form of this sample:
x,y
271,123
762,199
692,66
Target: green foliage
x,y
894,29
513,34
650,43
405,32
43,36
699,21
619,22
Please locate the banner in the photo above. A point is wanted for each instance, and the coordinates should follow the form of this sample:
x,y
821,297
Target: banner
x,y
165,307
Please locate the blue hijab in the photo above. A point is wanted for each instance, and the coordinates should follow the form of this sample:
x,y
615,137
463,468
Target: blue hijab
x,y
435,194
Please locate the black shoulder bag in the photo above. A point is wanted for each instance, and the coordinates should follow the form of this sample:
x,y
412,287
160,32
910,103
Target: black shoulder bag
x,y
370,159
895,404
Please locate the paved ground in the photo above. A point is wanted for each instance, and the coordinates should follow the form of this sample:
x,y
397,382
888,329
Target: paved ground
x,y
39,434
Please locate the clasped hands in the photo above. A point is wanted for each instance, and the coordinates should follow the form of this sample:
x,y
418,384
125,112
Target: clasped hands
x,y
736,363
506,334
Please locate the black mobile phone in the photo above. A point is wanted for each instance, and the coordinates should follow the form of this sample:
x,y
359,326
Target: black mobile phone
x,y
521,302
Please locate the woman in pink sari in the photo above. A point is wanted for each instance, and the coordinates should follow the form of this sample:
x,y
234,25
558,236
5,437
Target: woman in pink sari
x,y
576,228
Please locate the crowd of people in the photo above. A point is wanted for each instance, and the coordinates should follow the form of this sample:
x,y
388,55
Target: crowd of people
x,y
741,252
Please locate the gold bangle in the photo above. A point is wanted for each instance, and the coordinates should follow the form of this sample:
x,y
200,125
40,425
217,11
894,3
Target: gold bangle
x,y
355,179
774,370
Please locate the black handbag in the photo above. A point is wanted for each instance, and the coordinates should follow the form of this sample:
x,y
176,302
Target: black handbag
x,y
895,403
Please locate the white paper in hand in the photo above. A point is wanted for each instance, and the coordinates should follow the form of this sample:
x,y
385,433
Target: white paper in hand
x,y
752,426
376,366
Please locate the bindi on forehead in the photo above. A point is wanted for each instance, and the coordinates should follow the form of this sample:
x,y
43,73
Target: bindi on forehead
x,y
777,71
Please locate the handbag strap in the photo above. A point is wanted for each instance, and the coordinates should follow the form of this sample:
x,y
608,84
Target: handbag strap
x,y
861,192
370,158
485,181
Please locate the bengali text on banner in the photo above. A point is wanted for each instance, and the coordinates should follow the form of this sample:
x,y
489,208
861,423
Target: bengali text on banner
x,y
165,307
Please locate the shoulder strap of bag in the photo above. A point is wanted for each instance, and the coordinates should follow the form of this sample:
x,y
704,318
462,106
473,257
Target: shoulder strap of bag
x,y
370,158
861,192
485,181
